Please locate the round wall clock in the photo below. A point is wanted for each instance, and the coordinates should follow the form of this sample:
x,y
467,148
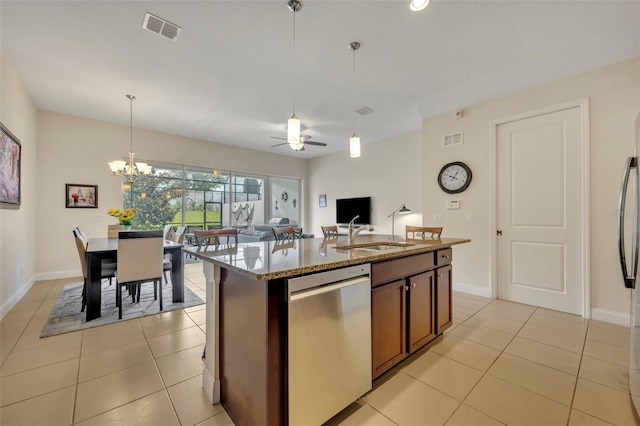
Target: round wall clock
x,y
454,177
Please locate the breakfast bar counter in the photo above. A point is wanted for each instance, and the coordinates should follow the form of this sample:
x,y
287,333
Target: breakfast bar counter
x,y
247,328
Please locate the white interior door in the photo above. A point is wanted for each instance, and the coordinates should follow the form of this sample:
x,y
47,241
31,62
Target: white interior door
x,y
540,211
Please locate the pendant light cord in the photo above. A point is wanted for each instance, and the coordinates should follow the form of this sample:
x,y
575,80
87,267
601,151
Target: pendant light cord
x,y
354,91
294,62
131,123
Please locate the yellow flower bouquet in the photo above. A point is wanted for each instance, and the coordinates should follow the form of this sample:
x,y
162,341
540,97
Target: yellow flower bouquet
x,y
125,217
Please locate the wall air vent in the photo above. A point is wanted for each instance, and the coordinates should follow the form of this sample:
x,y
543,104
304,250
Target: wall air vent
x,y
364,110
452,139
161,26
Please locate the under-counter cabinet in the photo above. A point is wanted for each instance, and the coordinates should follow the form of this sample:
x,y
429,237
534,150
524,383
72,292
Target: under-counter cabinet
x,y
410,311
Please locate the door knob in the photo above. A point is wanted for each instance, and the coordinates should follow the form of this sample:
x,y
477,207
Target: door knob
x,y
413,285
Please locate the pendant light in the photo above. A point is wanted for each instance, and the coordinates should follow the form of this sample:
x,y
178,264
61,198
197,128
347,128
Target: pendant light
x,y
293,125
418,5
354,141
130,171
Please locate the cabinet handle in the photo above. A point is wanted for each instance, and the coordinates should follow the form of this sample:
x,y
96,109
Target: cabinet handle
x,y
446,256
406,288
413,285
439,275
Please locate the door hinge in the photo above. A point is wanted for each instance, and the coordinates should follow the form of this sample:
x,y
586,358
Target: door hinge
x,y
499,233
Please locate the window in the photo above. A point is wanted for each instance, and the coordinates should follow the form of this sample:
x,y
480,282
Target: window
x,y
201,198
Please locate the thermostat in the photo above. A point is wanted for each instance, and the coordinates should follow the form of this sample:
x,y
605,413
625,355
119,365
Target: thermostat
x,y
453,204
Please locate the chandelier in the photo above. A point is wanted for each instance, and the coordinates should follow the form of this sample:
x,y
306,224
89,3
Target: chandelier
x,y
131,170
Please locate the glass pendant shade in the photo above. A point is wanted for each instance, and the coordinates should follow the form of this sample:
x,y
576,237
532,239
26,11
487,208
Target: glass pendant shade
x,y
354,146
418,5
117,166
293,133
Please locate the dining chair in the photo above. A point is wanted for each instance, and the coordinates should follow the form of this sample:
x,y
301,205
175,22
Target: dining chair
x,y
112,231
140,259
167,232
330,231
176,237
421,231
107,270
204,238
282,233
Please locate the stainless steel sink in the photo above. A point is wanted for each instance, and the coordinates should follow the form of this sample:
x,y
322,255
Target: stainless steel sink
x,y
374,246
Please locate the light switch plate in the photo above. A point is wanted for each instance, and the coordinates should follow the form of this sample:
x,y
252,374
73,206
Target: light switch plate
x,y
437,217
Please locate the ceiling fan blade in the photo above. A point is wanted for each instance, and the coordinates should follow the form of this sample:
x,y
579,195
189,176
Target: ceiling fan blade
x,y
315,143
280,144
275,137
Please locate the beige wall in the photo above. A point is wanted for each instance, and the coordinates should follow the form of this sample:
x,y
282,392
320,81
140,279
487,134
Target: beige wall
x,y
76,150
389,171
614,94
18,234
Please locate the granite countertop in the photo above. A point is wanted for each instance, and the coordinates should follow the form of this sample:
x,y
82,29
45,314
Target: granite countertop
x,y
267,260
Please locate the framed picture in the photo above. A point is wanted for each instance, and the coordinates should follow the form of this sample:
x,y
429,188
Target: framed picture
x,y
10,159
322,201
78,196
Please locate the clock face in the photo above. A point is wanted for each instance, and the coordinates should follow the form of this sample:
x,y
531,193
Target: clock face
x,y
454,177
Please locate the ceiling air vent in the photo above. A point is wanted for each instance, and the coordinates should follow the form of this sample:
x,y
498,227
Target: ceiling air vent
x,y
364,110
452,139
161,26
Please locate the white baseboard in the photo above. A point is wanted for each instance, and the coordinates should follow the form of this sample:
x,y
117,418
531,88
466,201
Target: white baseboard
x,y
612,317
472,289
14,299
59,275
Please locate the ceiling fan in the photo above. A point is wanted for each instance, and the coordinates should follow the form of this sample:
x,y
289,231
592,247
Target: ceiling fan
x,y
304,139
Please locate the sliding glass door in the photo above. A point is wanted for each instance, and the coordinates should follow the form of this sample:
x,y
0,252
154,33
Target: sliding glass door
x,y
201,198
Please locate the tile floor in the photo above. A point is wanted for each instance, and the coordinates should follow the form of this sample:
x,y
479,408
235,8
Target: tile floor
x,y
500,363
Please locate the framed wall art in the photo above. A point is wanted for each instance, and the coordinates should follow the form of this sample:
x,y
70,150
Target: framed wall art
x,y
78,196
322,200
10,159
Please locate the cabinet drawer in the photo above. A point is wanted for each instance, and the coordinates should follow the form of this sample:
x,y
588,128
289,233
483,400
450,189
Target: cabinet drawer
x,y
443,257
390,270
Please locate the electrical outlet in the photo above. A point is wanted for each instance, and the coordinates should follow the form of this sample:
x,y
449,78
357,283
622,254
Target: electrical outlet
x,y
470,217
437,217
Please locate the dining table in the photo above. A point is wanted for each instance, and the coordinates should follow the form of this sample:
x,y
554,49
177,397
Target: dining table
x,y
100,249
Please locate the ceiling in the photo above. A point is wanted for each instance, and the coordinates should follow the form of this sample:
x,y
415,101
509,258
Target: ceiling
x,y
228,78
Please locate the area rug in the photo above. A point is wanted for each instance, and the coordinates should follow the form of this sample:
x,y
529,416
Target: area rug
x,y
66,317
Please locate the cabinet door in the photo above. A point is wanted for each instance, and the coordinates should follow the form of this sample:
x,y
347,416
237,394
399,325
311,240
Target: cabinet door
x,y
443,297
420,310
388,326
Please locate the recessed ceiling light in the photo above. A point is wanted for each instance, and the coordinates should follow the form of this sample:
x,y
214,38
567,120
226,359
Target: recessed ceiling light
x,y
418,5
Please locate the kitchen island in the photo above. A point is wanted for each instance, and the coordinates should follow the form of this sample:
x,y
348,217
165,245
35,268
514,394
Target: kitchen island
x,y
246,368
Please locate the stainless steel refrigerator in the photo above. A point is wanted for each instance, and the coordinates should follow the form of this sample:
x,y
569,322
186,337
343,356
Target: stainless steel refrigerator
x,y
629,247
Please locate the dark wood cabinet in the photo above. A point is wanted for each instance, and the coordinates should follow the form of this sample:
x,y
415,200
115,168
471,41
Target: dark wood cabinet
x,y
420,325
443,299
411,305
389,339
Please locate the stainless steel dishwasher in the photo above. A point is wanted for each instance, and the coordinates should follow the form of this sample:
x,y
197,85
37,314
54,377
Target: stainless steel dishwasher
x,y
329,343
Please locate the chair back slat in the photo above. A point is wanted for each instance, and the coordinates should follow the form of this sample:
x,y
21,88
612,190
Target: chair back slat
x,y
330,231
285,233
204,238
421,231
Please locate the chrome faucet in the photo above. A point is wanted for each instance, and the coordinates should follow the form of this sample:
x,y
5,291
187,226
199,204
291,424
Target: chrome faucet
x,y
353,232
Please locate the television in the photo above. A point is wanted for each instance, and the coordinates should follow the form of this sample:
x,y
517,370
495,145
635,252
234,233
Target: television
x,y
348,208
